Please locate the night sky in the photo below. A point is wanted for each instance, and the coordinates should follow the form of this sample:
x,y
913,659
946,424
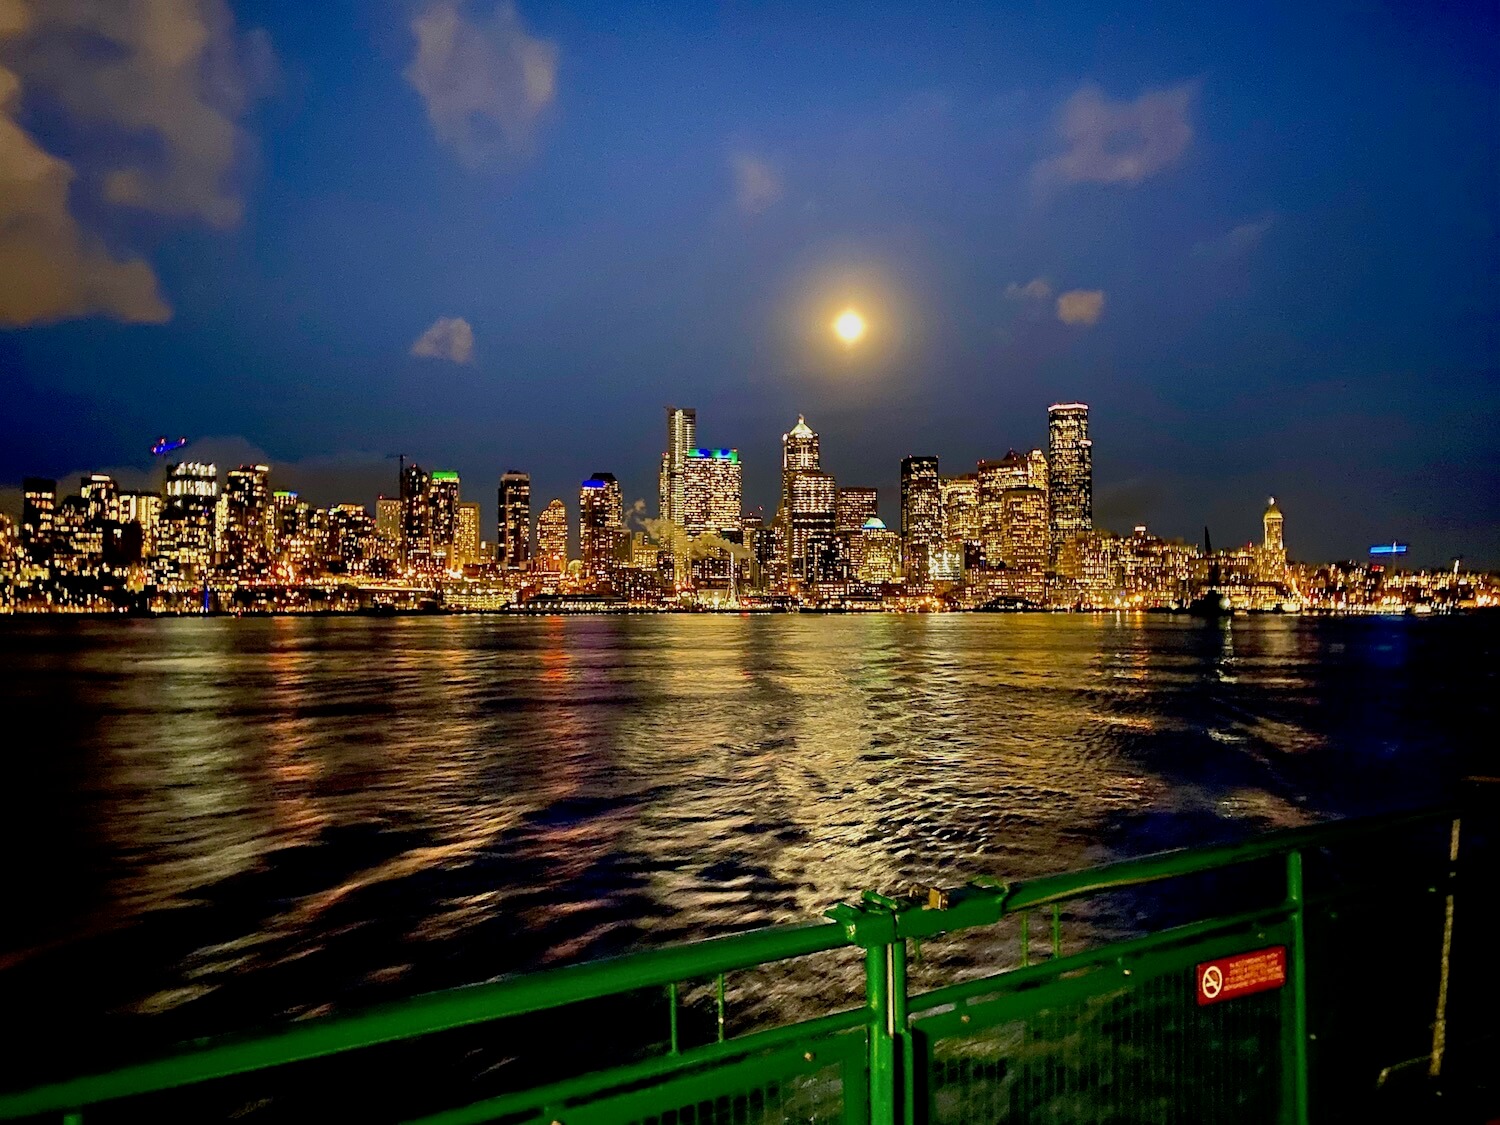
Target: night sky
x,y
1260,241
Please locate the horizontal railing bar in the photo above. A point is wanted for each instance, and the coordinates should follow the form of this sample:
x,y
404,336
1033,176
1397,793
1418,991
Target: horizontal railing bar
x,y
1191,861
1103,957
661,1066
429,1014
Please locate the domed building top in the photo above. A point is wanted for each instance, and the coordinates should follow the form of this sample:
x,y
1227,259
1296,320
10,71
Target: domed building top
x,y
874,523
801,429
1271,508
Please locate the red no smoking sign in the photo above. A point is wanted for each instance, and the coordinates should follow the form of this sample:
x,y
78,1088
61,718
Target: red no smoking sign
x,y
1260,970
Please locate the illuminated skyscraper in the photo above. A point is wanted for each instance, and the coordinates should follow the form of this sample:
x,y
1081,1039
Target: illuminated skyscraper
x,y
1070,470
875,553
552,538
187,530
416,515
143,509
1024,526
38,504
682,440
995,479
601,516
856,507
101,498
351,538
961,529
811,518
921,515
445,491
514,531
465,535
247,532
1272,523
713,492
388,528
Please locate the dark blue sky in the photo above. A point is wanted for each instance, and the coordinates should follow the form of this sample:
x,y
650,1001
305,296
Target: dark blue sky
x,y
1260,242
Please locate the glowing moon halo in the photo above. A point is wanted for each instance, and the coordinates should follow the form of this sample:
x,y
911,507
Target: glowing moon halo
x,y
849,327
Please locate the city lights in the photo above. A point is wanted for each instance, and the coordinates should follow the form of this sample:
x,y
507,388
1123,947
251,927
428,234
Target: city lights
x,y
1014,532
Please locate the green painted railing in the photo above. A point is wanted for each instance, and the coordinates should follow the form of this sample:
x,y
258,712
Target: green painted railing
x,y
1128,1030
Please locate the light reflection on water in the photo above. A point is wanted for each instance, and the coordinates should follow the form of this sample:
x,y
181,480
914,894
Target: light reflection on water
x,y
246,819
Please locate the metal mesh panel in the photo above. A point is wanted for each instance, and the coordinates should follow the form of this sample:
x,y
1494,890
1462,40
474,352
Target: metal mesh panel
x,y
1147,1053
814,1098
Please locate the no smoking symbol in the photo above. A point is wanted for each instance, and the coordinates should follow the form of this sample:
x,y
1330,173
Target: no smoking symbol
x,y
1213,981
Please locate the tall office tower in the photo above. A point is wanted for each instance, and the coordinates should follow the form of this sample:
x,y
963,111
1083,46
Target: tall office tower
x,y
38,504
465,535
444,491
187,532
799,453
682,439
288,520
875,553
514,531
552,538
995,479
856,507
351,538
1036,470
601,518
960,500
1070,470
921,515
416,514
388,528
713,490
143,509
247,533
101,498
1025,538
811,518
1272,523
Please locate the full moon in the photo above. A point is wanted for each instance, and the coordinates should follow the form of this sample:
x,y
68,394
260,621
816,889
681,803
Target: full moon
x,y
849,326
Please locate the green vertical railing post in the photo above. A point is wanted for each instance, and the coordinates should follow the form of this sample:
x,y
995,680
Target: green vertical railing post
x,y
672,1018
901,1034
882,1040
1294,1040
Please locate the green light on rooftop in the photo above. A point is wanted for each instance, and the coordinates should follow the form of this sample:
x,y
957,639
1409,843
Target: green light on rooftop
x,y
444,475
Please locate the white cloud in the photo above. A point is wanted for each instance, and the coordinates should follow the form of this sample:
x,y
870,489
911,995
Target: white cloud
x,y
50,267
450,338
1238,241
1037,289
1080,306
757,184
1119,142
167,81
485,84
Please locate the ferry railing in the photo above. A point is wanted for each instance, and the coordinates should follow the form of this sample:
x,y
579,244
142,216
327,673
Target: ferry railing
x,y
1218,1018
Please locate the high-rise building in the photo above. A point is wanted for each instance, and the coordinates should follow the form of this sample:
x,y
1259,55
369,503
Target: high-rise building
x,y
1272,523
713,492
101,498
552,538
1025,539
601,516
856,507
416,515
465,535
921,515
351,538
995,479
38,504
514,531
388,519
144,510
247,531
960,499
811,518
799,449
875,553
682,440
187,531
1070,470
445,492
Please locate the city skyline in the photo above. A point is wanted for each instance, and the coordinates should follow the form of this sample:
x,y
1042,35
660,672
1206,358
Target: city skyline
x,y
334,486
1016,532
